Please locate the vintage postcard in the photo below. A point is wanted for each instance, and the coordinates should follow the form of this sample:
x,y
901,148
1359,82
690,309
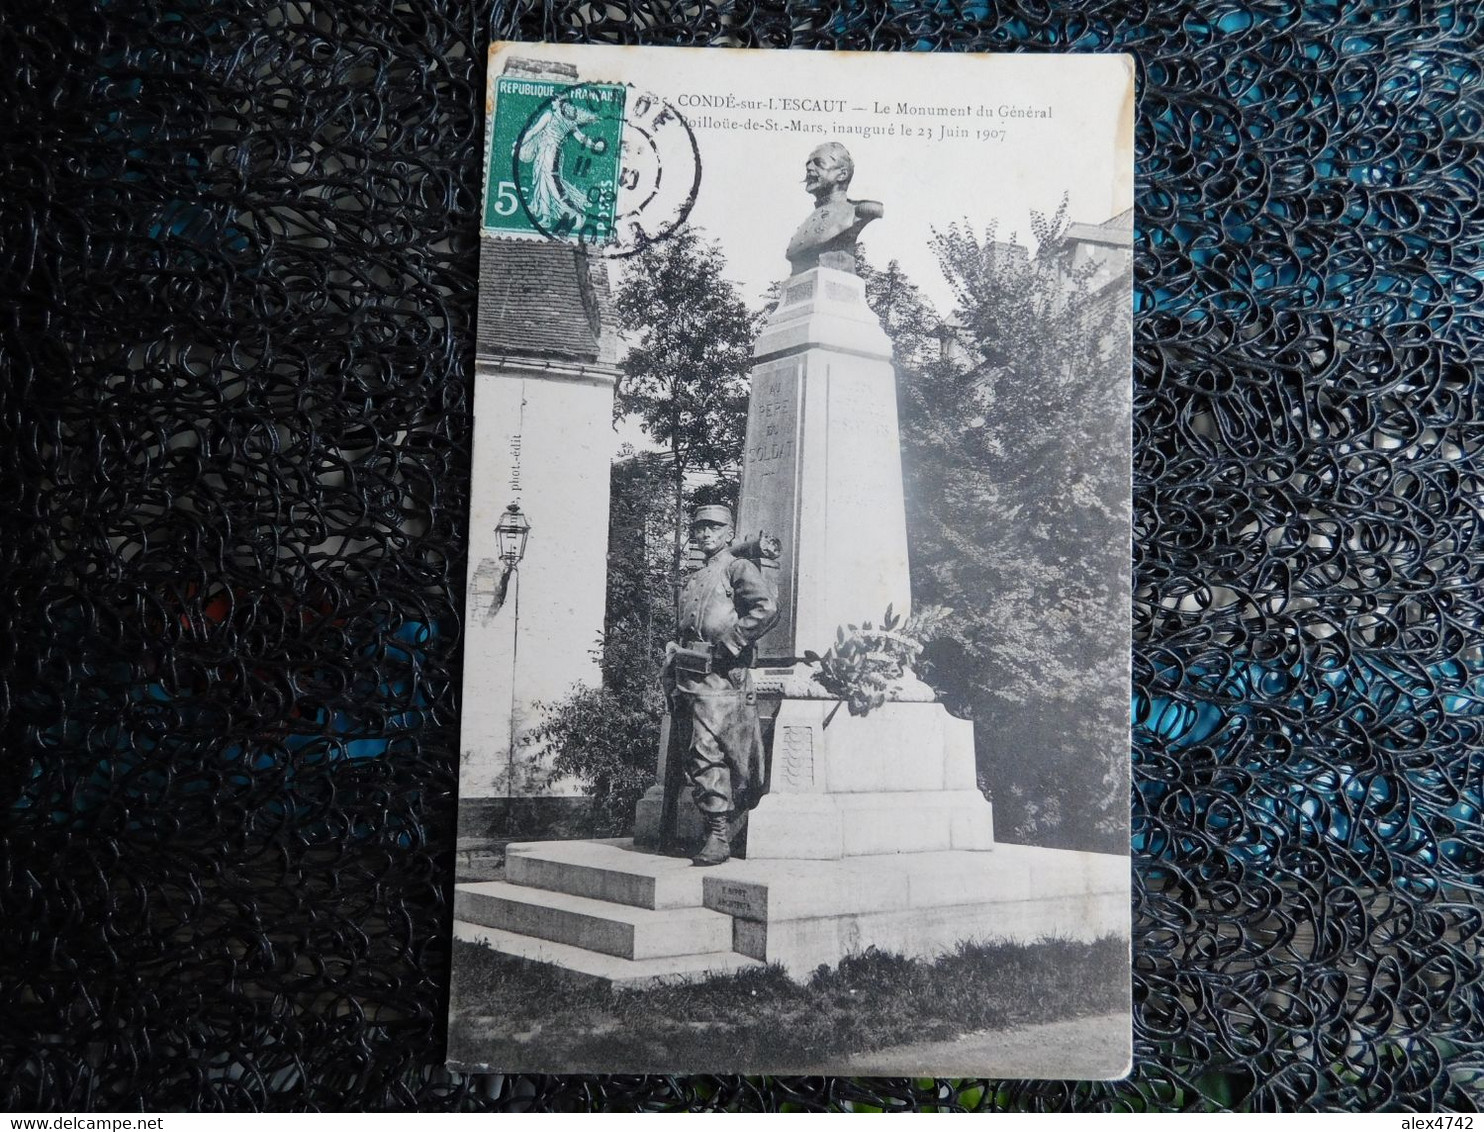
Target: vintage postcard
x,y
795,720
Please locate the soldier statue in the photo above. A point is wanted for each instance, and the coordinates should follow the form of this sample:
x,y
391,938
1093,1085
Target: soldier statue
x,y
726,606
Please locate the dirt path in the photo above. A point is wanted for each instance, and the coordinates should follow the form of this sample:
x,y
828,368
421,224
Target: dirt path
x,y
1091,1049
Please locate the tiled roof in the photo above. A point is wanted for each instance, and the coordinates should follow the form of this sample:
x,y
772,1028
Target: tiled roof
x,y
542,299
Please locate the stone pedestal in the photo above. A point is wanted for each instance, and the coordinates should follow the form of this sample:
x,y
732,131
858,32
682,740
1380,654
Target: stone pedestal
x,y
630,918
801,914
900,780
822,468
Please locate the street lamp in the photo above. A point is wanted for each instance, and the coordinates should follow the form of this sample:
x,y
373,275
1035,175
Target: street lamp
x,y
511,533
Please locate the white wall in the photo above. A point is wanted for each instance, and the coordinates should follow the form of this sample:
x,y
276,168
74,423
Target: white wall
x,y
543,439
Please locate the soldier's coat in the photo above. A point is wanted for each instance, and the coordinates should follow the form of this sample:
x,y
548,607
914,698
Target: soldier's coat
x,y
726,604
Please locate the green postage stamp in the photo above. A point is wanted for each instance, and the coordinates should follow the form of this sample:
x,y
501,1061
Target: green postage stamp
x,y
554,159
597,163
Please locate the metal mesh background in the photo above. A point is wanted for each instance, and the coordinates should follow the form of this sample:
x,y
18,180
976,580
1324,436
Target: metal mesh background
x,y
239,254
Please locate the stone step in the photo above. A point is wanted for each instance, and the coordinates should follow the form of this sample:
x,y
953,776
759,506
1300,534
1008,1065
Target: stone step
x,y
774,890
606,870
624,973
596,925
804,913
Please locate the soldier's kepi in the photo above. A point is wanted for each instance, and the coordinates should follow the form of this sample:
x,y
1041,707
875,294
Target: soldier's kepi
x,y
726,606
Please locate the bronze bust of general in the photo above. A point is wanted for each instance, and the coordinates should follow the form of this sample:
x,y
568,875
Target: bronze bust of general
x,y
828,235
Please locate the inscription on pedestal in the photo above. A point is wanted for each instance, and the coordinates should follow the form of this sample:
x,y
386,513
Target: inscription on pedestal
x,y
748,901
871,411
793,759
798,293
770,487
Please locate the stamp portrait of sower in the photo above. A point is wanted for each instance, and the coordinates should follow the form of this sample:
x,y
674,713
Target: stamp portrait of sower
x,y
725,607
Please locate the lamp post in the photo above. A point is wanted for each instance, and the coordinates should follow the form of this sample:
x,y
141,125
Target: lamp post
x,y
511,533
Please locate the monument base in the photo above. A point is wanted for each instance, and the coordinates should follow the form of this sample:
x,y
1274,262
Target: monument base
x,y
802,914
832,826
899,780
608,911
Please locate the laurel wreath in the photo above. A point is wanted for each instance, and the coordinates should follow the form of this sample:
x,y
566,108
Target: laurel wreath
x,y
867,663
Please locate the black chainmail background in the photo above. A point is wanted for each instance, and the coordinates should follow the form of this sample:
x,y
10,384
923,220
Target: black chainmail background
x,y
239,267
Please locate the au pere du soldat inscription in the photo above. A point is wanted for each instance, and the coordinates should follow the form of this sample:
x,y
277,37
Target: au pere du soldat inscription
x,y
770,494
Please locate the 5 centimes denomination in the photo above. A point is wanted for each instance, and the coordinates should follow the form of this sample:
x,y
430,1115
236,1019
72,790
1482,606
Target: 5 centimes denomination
x,y
600,164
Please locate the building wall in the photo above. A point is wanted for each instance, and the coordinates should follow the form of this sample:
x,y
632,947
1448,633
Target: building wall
x,y
543,439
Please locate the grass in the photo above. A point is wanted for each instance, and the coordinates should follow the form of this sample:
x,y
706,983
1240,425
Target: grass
x,y
518,1016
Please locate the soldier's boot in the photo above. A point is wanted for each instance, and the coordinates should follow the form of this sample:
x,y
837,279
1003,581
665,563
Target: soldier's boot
x,y
718,847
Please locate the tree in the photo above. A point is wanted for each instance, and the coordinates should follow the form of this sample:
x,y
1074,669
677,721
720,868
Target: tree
x,y
1013,490
906,314
641,572
686,377
686,372
1041,337
608,736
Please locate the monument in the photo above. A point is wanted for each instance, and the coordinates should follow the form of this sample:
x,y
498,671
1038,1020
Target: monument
x,y
822,471
872,831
